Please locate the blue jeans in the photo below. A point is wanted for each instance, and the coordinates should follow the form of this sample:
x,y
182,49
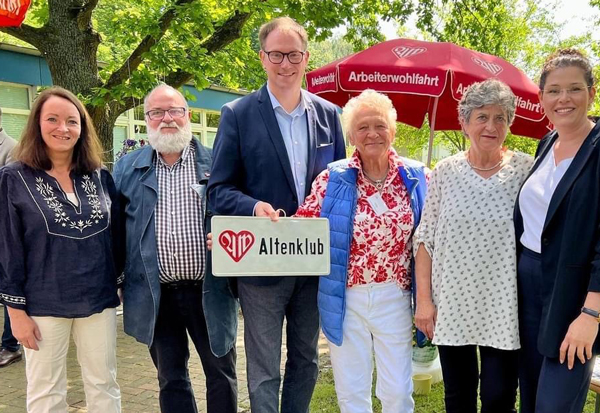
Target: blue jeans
x,y
264,309
545,385
9,342
180,313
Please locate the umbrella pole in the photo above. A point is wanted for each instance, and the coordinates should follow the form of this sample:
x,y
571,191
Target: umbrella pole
x,y
432,132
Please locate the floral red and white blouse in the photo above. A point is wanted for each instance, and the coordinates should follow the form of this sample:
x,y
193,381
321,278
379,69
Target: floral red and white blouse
x,y
381,245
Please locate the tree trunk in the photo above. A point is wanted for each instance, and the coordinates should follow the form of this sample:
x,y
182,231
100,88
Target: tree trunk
x,y
104,118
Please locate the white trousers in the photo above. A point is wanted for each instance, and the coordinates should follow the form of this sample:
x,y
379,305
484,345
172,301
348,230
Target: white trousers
x,y
96,340
378,319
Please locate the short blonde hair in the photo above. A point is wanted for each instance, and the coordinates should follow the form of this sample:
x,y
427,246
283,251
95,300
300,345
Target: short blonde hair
x,y
369,99
284,23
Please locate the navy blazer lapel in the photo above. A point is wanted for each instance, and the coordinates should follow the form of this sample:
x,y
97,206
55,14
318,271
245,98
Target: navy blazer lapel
x,y
577,165
312,143
268,114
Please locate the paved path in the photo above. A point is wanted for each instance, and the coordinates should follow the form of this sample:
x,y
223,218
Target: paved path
x,y
136,376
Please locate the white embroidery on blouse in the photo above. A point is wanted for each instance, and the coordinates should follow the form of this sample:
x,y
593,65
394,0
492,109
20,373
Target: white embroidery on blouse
x,y
90,191
53,203
60,216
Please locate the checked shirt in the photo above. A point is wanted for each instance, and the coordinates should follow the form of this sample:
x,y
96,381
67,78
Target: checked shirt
x,y
179,227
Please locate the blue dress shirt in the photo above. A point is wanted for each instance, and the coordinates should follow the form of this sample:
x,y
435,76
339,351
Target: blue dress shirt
x,y
294,129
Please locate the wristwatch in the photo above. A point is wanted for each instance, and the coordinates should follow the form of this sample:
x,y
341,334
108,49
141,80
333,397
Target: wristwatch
x,y
591,312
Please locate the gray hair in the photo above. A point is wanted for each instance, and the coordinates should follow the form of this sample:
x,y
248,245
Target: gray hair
x,y
488,92
368,99
162,85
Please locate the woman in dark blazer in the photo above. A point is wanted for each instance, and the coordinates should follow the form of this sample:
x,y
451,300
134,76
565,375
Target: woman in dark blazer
x,y
557,218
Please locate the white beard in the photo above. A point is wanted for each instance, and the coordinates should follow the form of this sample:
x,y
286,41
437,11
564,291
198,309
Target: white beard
x,y
169,143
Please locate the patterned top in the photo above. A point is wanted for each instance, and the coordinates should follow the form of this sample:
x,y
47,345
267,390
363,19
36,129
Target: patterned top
x,y
381,245
467,228
57,257
179,228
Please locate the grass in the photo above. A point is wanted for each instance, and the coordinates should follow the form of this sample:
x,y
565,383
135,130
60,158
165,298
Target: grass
x,y
324,399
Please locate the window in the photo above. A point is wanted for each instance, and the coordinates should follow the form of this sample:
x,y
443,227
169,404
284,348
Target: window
x,y
14,97
196,117
13,124
212,119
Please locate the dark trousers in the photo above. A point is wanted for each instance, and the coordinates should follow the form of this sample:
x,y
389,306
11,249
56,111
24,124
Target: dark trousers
x,y
264,309
9,342
545,385
181,313
498,389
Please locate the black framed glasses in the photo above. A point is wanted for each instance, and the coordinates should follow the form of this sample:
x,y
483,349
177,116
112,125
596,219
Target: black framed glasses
x,y
276,57
159,114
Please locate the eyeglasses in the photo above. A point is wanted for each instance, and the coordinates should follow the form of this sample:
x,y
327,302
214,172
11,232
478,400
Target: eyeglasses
x,y
276,57
159,114
554,92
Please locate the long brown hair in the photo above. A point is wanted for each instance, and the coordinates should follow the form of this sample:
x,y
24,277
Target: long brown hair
x,y
31,149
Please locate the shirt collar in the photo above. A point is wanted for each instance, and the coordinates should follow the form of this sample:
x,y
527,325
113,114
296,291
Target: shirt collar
x,y
298,110
183,159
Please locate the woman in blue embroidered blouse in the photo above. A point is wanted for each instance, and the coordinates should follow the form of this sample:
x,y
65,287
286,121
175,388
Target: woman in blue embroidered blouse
x,y
57,271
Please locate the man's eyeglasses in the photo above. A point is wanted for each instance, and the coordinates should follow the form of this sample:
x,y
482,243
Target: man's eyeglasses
x,y
159,114
554,92
276,57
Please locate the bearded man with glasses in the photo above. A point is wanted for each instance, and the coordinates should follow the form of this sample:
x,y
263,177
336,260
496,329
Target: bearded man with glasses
x,y
168,290
270,146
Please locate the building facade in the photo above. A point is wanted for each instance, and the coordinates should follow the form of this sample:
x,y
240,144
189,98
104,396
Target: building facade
x,y
23,72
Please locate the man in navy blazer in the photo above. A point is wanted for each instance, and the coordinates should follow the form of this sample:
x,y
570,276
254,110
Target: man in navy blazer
x,y
269,148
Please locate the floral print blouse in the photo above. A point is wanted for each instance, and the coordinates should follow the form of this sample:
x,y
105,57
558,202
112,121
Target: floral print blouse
x,y
381,247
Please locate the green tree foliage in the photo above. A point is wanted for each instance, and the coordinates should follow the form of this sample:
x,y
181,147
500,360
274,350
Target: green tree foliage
x,y
521,31
327,51
140,42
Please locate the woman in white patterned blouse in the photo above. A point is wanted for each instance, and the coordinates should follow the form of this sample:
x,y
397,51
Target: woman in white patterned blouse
x,y
466,259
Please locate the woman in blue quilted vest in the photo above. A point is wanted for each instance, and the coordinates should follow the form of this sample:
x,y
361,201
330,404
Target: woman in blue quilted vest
x,y
373,202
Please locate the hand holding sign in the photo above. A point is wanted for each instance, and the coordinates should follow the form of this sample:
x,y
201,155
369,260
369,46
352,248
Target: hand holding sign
x,y
249,246
264,209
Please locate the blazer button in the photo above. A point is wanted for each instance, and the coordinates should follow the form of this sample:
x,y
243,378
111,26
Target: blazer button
x,y
545,241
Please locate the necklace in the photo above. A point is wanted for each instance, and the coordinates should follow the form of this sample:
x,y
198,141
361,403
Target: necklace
x,y
377,182
483,169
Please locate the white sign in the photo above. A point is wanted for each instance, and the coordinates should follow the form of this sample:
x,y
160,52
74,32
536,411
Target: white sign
x,y
251,246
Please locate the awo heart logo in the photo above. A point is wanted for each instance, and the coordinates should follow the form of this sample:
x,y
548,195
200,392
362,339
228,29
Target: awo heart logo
x,y
236,244
404,51
493,68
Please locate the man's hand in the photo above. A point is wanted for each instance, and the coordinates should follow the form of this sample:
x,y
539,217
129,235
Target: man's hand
x,y
24,328
579,340
209,241
264,209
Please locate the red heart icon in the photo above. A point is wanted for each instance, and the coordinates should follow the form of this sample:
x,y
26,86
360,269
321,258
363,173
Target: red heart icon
x,y
236,244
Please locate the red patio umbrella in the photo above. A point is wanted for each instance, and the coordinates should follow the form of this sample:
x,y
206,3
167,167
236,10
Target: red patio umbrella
x,y
12,12
427,78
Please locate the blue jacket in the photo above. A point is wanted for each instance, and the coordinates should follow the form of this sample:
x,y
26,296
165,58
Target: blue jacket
x,y
137,185
339,206
570,242
251,163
